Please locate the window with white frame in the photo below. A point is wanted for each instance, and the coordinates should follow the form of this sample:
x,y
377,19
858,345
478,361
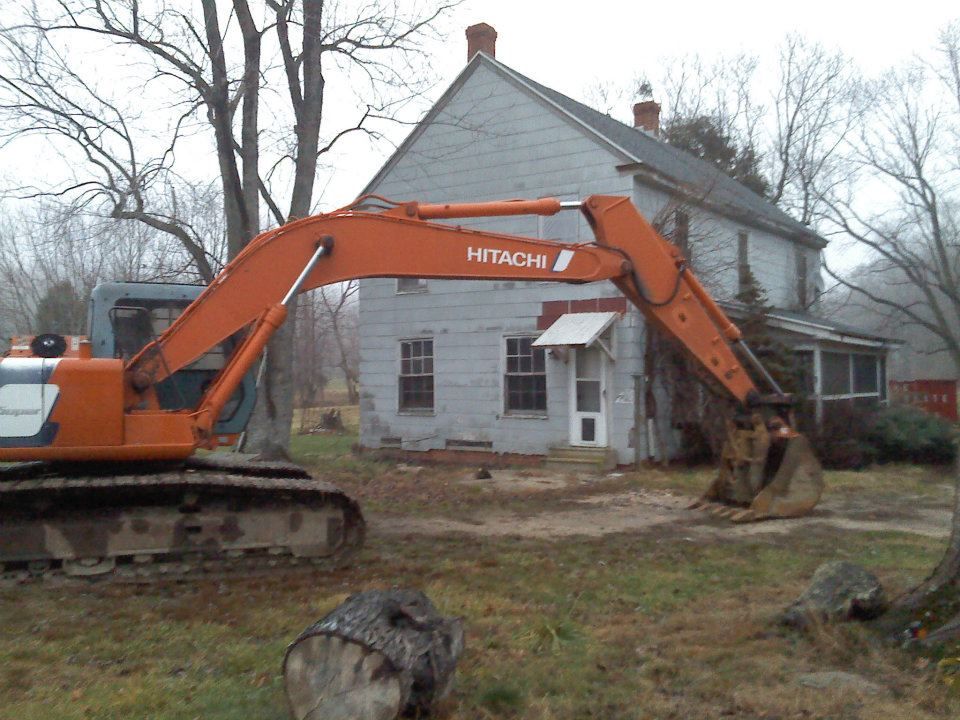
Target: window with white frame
x,y
411,285
525,378
859,377
416,375
806,381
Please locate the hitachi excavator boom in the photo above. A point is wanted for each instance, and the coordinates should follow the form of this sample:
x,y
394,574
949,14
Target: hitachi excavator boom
x,y
97,411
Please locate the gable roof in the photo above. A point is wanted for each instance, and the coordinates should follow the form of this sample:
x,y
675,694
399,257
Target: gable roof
x,y
653,160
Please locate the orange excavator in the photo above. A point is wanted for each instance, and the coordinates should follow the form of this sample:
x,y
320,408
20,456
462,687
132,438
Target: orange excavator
x,y
108,478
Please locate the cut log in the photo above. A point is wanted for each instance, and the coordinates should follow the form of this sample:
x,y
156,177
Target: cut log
x,y
379,654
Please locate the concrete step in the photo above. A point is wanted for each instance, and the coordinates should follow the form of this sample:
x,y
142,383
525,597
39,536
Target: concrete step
x,y
578,452
575,459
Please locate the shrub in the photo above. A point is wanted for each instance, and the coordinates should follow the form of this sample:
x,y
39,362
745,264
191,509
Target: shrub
x,y
841,441
904,433
836,453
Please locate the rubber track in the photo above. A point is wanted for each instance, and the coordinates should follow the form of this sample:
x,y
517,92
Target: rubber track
x,y
222,473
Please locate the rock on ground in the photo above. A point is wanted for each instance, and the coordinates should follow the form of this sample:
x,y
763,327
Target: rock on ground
x,y
839,591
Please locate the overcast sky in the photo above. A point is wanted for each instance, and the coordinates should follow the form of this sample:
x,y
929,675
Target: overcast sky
x,y
604,37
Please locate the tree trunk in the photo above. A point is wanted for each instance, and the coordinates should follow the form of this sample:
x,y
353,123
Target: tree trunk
x,y
268,430
948,571
930,613
375,656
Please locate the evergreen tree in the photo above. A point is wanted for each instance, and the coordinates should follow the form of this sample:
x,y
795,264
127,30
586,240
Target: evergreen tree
x,y
61,310
776,356
700,136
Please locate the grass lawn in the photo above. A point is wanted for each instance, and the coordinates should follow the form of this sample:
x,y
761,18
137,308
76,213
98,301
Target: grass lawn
x,y
627,625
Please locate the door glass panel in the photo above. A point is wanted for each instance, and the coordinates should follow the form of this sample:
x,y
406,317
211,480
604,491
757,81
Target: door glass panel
x,y
588,363
588,396
588,430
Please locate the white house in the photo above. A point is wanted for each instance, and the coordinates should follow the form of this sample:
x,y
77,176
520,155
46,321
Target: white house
x,y
454,365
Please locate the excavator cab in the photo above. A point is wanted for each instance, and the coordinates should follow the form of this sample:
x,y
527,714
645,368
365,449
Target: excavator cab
x,y
123,317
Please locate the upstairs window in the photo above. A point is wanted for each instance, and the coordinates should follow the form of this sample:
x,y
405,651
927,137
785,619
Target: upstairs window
x,y
803,285
743,262
416,375
525,380
411,285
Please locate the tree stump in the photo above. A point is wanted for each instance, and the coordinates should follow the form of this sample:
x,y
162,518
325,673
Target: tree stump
x,y
332,420
379,654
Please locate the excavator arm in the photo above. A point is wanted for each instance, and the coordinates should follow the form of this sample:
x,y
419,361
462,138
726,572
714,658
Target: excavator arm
x,y
89,409
403,242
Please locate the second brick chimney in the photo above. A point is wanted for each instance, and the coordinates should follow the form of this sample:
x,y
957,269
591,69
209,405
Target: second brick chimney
x,y
481,37
646,116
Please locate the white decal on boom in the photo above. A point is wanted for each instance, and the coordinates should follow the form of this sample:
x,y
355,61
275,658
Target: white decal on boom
x,y
493,256
563,260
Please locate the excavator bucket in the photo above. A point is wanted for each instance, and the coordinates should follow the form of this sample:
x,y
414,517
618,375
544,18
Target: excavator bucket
x,y
763,475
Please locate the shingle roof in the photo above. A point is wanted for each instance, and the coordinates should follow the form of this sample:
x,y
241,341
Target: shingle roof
x,y
689,172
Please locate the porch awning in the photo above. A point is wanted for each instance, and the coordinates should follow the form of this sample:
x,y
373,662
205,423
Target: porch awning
x,y
576,329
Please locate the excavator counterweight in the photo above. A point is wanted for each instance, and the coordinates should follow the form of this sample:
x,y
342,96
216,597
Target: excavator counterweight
x,y
117,407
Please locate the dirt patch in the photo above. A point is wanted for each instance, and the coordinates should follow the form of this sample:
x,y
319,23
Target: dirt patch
x,y
646,510
593,517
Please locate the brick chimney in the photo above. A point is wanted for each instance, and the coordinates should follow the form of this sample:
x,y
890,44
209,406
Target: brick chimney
x,y
646,116
481,37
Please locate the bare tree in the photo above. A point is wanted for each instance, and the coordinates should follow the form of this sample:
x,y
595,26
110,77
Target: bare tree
x,y
328,338
340,309
909,151
206,73
816,105
908,156
309,369
47,245
723,90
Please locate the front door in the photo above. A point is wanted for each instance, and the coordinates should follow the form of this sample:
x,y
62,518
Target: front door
x,y
588,397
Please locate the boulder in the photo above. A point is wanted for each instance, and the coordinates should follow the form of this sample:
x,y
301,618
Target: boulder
x,y
840,591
